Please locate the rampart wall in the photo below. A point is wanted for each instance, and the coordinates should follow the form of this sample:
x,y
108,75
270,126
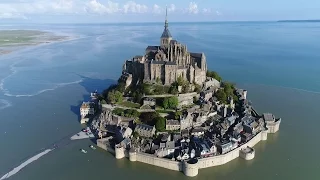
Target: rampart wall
x,y
187,169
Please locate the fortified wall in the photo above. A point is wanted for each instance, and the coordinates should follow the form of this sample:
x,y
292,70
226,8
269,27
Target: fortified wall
x,y
187,167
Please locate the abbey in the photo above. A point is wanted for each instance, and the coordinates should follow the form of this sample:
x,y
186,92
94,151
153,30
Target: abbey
x,y
167,62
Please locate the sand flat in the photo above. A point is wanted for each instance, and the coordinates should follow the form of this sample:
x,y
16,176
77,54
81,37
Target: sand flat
x,y
22,38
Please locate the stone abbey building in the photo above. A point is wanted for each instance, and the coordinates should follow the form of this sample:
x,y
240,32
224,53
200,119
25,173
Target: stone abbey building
x,y
166,63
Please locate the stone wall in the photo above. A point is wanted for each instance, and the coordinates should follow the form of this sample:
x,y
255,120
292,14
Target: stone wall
x,y
186,99
160,162
273,127
186,168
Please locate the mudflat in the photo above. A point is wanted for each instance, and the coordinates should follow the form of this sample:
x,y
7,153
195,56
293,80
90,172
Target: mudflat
x,y
9,39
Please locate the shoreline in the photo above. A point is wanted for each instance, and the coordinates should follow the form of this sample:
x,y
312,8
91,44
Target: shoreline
x,y
51,38
189,169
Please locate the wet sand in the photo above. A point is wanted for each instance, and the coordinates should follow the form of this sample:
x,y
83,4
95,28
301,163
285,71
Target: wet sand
x,y
12,40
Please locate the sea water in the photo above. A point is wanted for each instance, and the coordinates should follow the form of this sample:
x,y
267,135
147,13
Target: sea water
x,y
42,88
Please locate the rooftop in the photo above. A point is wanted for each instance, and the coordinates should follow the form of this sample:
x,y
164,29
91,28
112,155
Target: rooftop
x,y
87,105
144,127
173,122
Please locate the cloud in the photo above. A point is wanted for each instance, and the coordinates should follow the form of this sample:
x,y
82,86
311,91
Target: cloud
x,y
193,8
8,15
95,6
156,9
206,11
25,8
171,8
133,7
218,13
63,5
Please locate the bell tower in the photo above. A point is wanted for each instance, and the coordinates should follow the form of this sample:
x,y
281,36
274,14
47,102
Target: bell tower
x,y
166,35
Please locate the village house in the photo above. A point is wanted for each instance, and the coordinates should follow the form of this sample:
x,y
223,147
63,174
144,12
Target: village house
x,y
165,149
145,130
123,132
250,125
224,147
87,109
246,137
172,125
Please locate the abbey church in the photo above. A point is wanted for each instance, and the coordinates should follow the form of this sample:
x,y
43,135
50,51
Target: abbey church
x,y
167,62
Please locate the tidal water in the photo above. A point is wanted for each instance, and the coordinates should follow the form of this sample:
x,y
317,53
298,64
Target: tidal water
x,y
42,87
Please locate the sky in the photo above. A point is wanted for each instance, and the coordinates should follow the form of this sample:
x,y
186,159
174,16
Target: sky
x,y
104,11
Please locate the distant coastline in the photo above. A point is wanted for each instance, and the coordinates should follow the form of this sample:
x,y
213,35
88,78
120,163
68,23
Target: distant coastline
x,y
315,20
12,40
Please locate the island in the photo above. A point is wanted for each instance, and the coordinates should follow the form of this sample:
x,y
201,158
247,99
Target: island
x,y
168,110
11,40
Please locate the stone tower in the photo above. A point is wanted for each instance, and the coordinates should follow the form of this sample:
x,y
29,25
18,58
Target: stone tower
x,y
166,35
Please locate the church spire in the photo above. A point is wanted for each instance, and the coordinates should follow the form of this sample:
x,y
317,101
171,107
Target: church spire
x,y
166,21
166,32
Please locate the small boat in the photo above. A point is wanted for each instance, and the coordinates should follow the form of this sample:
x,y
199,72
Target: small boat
x,y
92,147
83,151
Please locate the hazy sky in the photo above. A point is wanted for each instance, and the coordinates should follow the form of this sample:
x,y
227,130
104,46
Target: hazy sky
x,y
86,11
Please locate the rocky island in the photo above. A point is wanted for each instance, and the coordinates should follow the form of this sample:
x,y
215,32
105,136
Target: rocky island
x,y
170,111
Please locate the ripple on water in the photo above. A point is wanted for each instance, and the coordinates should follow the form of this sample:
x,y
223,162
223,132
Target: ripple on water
x,y
4,104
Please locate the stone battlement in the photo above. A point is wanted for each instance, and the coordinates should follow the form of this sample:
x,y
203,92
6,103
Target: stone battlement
x,y
190,168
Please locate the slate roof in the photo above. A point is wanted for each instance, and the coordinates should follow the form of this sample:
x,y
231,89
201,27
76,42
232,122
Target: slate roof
x,y
166,33
144,127
173,122
196,55
152,48
173,41
170,63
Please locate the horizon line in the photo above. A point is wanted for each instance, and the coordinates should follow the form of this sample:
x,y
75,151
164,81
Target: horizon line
x,y
142,22
174,22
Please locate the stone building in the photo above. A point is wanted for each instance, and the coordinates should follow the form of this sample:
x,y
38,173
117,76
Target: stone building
x,y
86,109
167,62
172,125
145,130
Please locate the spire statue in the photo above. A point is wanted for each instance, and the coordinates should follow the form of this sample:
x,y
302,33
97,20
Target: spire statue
x,y
166,35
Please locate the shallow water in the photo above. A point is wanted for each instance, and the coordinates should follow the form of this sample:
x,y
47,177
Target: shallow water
x,y
42,88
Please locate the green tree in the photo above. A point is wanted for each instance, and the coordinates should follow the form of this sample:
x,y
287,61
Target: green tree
x,y
197,88
214,75
121,87
131,113
173,89
221,96
103,101
177,115
137,96
165,103
118,111
180,81
170,102
158,89
173,102
160,123
149,117
114,96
